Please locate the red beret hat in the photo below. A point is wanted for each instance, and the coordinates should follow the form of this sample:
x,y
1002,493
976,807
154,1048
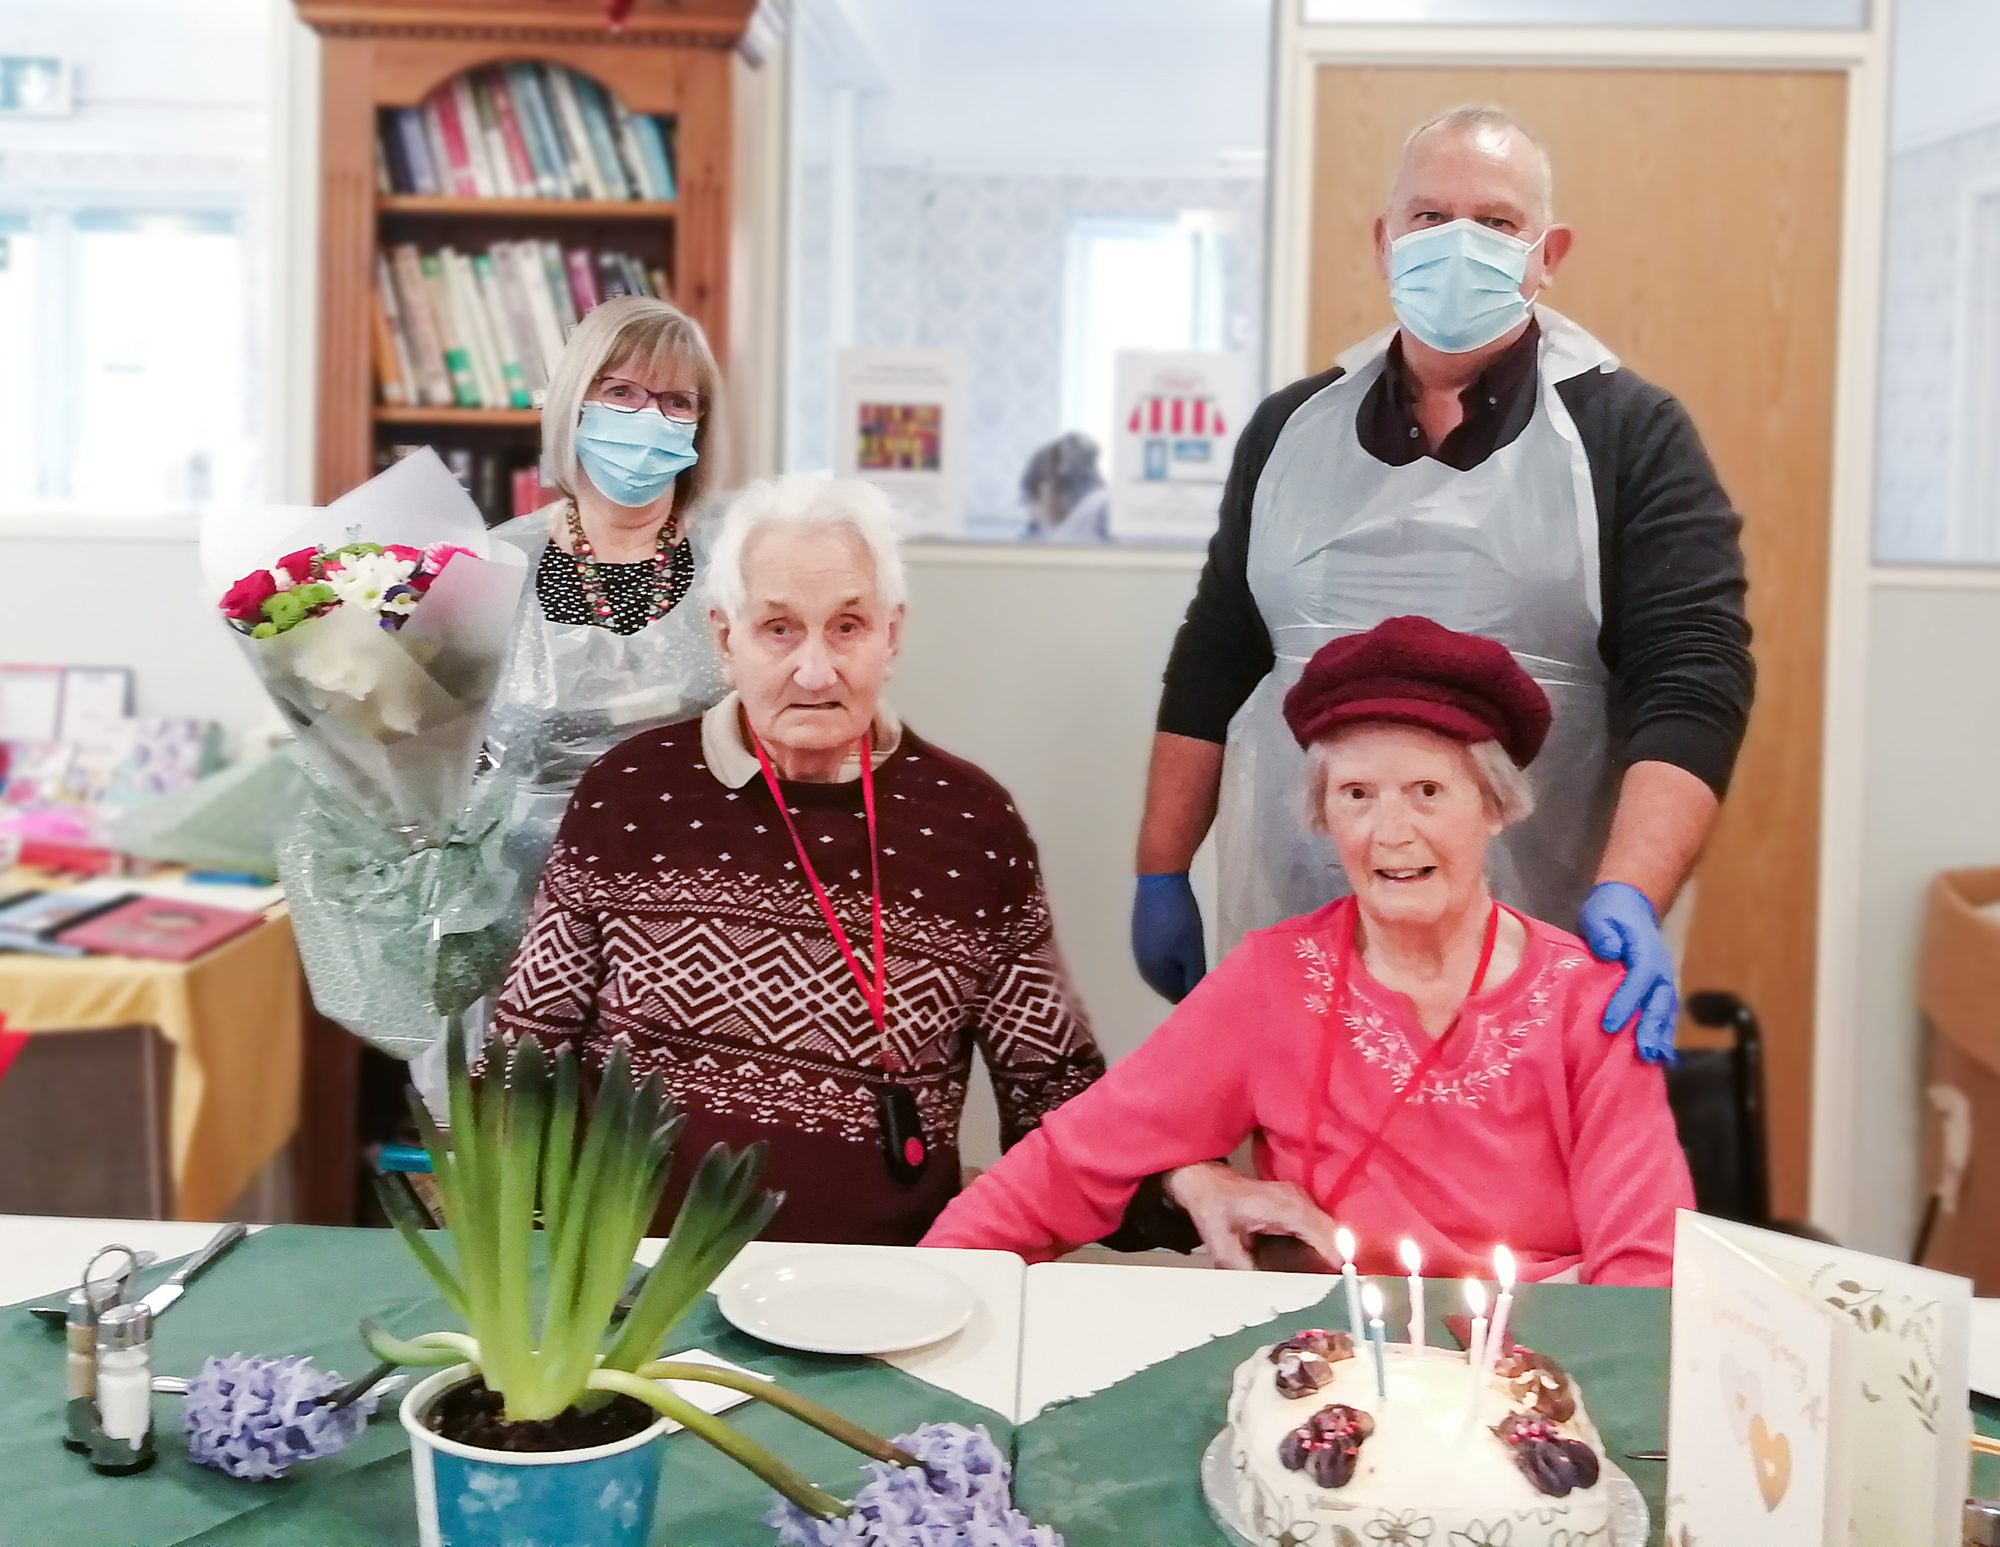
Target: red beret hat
x,y
1411,671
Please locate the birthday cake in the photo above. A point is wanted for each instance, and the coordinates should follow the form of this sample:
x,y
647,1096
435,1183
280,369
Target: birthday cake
x,y
1319,1455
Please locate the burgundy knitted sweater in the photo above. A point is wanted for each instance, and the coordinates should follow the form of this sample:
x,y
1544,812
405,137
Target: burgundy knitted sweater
x,y
673,912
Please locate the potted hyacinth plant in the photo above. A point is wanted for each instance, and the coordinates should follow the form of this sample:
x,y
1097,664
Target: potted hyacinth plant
x,y
547,1421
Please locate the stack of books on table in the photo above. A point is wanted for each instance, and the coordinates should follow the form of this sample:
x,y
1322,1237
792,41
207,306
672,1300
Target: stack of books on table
x,y
85,921
484,329
525,131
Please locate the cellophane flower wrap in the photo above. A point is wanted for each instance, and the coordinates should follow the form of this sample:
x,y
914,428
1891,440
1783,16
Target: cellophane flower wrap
x,y
379,628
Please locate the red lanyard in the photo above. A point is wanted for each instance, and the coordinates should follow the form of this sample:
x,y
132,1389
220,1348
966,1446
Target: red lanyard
x,y
1423,1066
875,991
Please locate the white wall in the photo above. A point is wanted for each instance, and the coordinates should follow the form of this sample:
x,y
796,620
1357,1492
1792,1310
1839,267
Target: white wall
x,y
1944,79
1931,804
1104,87
145,608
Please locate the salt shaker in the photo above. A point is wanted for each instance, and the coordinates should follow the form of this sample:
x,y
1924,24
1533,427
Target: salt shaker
x,y
125,1384
87,1302
1982,1523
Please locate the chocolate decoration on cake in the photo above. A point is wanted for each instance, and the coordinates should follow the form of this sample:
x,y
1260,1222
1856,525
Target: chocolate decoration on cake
x,y
1330,1346
1326,1445
1554,1464
1537,1383
1305,1360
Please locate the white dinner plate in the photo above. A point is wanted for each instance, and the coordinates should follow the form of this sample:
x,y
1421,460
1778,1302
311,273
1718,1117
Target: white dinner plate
x,y
826,1302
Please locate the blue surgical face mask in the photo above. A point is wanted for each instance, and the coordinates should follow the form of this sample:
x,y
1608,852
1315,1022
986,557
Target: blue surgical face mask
x,y
1457,287
633,458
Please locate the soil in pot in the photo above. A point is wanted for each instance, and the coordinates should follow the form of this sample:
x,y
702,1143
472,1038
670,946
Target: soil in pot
x,y
471,1415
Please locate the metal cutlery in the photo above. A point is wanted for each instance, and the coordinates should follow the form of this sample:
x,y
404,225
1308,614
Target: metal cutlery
x,y
54,1315
159,1298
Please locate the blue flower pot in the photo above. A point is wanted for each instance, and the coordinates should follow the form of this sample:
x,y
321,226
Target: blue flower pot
x,y
468,1497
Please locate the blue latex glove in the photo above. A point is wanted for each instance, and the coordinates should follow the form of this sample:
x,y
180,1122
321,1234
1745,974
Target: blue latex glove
x,y
1166,935
1619,925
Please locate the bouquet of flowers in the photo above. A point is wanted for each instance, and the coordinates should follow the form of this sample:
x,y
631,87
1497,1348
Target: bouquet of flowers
x,y
379,628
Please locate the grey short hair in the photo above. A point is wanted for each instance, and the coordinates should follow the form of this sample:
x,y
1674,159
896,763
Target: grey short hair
x,y
622,330
805,502
1502,782
1471,118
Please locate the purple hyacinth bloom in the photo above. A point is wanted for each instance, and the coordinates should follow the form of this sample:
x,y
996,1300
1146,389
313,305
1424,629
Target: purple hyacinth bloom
x,y
254,1417
960,1496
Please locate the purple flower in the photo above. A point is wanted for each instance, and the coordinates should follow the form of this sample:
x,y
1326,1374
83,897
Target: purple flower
x,y
253,1416
960,1496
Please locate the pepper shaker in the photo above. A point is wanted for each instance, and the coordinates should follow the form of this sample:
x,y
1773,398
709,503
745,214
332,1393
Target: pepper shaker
x,y
87,1302
125,1385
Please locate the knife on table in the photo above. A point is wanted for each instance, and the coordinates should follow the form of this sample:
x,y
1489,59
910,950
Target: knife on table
x,y
158,1298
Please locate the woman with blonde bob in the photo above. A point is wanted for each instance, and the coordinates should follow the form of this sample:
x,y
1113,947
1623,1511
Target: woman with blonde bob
x,y
613,633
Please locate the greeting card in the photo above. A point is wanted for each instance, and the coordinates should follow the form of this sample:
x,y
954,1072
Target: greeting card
x,y
1818,1395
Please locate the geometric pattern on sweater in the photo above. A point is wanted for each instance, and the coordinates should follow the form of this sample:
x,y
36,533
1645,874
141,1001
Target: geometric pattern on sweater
x,y
673,913
1380,1031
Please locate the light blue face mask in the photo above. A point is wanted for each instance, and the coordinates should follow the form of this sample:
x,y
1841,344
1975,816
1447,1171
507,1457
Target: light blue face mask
x,y
1457,287
633,458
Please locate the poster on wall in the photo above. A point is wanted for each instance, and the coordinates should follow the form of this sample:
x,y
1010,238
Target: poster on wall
x,y
900,425
1178,417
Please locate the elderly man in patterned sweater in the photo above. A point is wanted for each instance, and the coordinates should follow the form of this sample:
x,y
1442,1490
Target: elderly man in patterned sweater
x,y
805,942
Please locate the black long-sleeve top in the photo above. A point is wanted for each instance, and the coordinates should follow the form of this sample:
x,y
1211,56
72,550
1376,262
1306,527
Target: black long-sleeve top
x,y
1674,636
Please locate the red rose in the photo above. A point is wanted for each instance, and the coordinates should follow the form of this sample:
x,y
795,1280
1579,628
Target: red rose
x,y
411,556
298,565
245,600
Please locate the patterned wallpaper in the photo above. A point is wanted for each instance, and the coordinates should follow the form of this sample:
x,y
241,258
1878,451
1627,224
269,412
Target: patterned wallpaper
x,y
1921,328
975,261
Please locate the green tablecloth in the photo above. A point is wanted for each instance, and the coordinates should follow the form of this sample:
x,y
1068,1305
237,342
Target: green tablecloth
x,y
1117,1469
299,1290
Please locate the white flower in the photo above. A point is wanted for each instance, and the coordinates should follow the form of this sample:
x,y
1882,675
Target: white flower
x,y
403,603
363,577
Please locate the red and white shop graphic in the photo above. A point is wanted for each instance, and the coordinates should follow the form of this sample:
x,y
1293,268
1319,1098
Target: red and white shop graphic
x,y
1197,417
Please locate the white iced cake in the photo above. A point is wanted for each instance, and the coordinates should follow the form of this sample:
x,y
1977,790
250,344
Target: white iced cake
x,y
1318,1456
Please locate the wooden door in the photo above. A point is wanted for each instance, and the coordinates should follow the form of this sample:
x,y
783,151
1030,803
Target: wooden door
x,y
1707,205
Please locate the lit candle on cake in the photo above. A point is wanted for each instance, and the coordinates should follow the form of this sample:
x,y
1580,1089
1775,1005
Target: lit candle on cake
x,y
1496,1336
1475,1343
1343,1242
1371,1301
1413,1264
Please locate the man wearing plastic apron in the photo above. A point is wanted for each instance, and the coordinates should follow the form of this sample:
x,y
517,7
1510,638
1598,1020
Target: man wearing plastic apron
x,y
1486,464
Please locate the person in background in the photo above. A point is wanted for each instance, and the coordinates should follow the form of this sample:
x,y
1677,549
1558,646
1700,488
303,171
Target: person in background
x,y
1488,463
1415,1059
797,911
1065,494
613,633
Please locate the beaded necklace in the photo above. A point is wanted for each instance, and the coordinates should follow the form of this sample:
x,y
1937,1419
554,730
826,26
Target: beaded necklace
x,y
594,599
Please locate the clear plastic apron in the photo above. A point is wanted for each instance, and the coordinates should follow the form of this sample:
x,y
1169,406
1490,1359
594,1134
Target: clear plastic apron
x,y
572,692
1339,541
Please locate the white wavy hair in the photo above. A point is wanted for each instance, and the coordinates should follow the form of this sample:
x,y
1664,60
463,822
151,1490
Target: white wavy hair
x,y
803,502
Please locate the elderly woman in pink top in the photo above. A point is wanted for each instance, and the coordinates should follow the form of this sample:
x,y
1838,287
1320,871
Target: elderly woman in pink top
x,y
1411,1060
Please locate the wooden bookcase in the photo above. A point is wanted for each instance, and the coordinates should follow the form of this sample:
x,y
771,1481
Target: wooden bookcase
x,y
672,57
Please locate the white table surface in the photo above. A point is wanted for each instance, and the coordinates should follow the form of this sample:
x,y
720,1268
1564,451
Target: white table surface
x,y
1085,1326
41,1257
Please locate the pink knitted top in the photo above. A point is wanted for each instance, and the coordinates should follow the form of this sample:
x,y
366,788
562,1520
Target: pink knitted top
x,y
1536,1129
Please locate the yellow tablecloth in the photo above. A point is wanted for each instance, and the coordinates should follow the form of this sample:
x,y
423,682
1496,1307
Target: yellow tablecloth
x,y
236,1020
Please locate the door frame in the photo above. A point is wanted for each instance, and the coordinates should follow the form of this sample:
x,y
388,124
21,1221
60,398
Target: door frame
x,y
1862,55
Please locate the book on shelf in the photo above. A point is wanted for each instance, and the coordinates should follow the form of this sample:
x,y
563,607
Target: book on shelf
x,y
524,131
485,329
